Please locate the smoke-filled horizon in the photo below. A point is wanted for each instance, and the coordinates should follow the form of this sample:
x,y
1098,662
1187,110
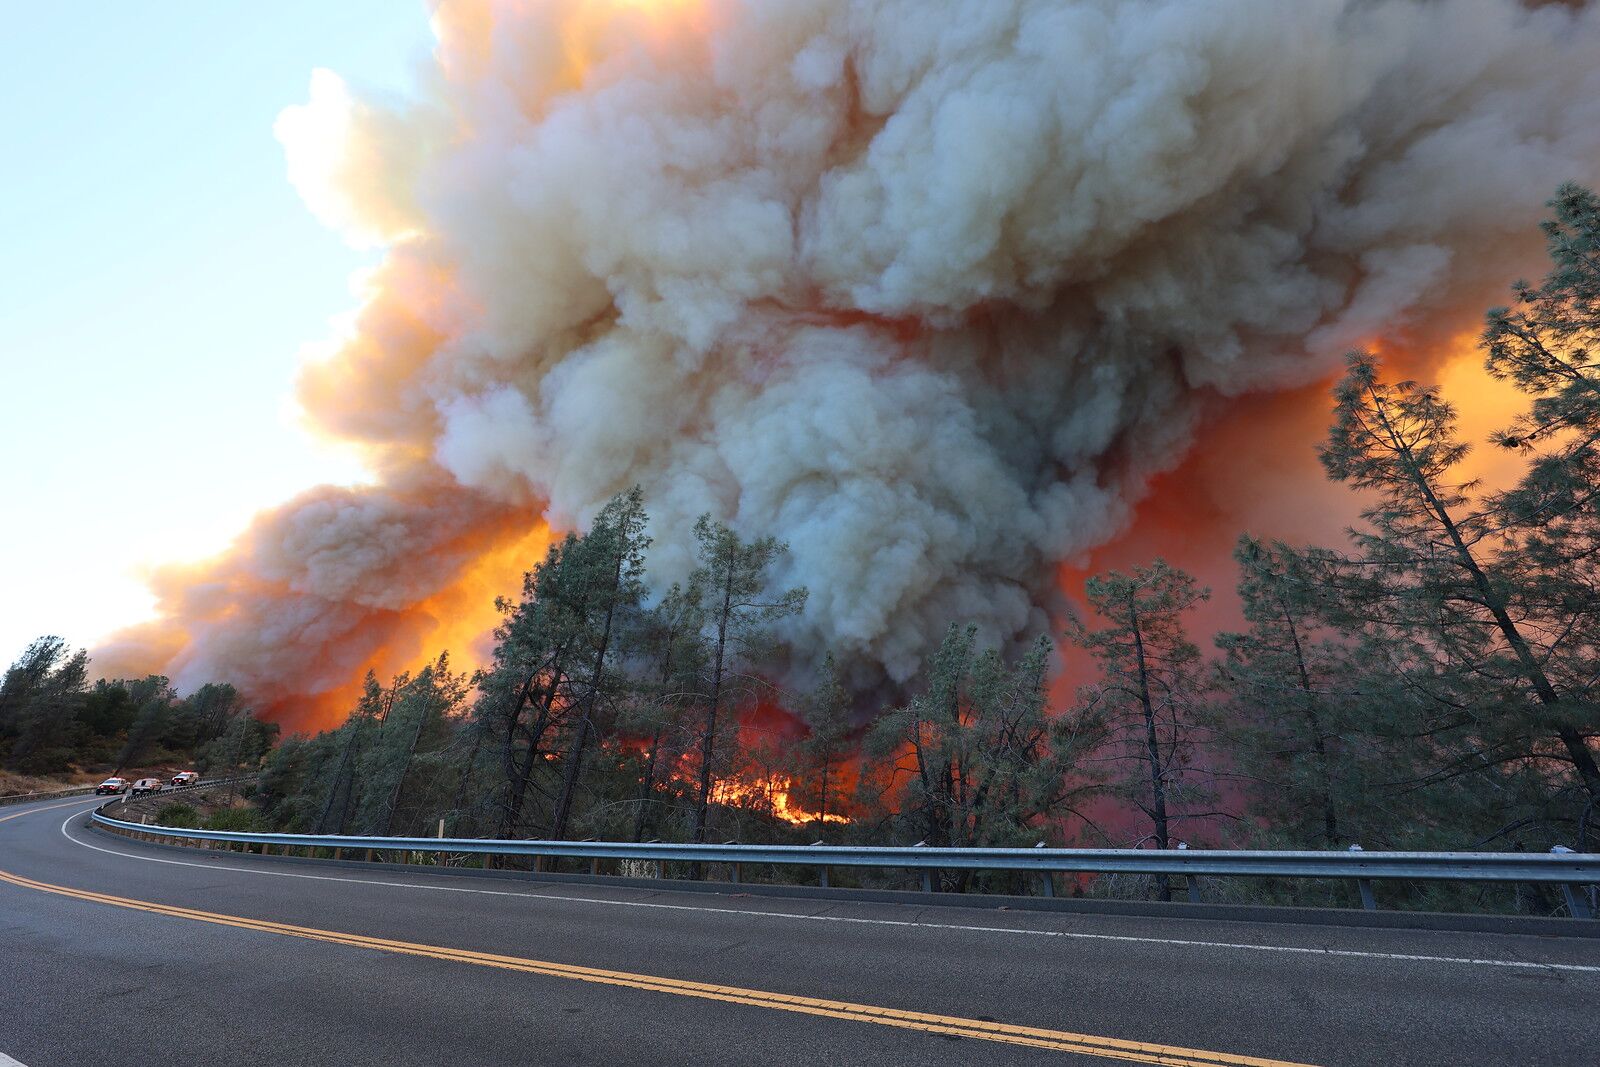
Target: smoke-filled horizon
x,y
931,298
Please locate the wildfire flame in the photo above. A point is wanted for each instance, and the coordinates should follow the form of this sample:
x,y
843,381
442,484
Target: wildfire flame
x,y
770,794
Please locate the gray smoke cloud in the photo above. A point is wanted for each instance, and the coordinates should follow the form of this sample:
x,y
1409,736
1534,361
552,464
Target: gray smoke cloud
x,y
926,289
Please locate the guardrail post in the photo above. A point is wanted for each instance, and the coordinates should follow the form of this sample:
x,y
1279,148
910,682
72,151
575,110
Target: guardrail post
x,y
1047,878
1369,901
1575,895
1577,902
927,872
1190,882
822,878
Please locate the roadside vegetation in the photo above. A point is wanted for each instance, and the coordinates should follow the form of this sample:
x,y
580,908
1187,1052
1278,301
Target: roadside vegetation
x,y
58,730
219,809
1432,683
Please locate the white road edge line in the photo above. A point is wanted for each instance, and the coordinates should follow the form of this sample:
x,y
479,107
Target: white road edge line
x,y
1575,968
7,1061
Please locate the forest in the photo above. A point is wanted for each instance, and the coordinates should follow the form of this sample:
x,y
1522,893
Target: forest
x,y
53,722
1430,683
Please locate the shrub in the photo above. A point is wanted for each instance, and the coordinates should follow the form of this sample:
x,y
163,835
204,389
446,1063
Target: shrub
x,y
178,815
240,820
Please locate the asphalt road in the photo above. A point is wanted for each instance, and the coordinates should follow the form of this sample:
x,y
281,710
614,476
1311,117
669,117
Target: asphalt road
x,y
113,951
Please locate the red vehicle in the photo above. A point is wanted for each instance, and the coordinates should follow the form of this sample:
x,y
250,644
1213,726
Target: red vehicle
x,y
111,785
183,778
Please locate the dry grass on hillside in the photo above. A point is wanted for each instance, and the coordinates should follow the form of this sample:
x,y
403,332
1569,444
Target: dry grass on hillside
x,y
12,783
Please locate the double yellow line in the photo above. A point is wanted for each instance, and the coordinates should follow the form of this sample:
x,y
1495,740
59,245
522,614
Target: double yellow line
x,y
978,1029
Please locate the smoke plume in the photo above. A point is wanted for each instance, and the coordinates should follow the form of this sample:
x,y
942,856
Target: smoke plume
x,y
928,290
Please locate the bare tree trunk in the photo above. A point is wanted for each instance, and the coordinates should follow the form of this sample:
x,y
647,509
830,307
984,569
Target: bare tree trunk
x,y
1330,823
822,799
707,743
405,768
574,760
339,779
571,764
930,812
516,771
647,786
460,799
521,772
1158,786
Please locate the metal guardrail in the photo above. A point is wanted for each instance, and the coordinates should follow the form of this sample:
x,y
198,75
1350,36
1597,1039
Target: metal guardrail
x,y
1569,870
46,794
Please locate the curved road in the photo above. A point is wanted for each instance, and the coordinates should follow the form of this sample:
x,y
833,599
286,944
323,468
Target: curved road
x,y
115,951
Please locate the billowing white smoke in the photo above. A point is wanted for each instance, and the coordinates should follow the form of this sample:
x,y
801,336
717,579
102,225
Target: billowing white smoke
x,y
924,288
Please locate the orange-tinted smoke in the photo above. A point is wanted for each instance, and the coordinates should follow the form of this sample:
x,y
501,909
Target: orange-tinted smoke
x,y
296,627
1254,469
297,637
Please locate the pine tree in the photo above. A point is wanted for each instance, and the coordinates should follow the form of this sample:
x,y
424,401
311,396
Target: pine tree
x,y
155,699
1151,696
1548,342
611,568
673,654
41,696
827,715
537,649
730,588
1441,567
212,705
978,756
1548,345
418,723
1292,692
344,787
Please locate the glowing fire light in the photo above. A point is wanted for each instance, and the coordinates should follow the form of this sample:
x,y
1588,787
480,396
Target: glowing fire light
x,y
771,792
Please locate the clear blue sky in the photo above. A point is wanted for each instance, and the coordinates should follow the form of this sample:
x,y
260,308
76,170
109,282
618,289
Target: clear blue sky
x,y
158,277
